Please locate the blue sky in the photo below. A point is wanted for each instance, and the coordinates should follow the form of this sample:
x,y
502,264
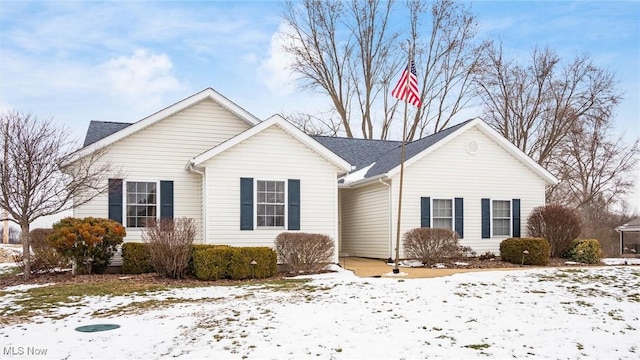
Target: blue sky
x,y
82,61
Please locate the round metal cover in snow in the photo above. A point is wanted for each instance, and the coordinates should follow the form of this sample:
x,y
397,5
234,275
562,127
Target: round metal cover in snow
x,y
97,327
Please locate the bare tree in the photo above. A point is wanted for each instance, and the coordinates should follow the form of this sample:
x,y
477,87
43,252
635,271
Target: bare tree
x,y
319,56
448,56
561,115
33,181
313,125
536,105
352,52
594,168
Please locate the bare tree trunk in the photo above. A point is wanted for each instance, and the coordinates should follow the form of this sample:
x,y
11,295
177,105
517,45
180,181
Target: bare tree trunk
x,y
26,249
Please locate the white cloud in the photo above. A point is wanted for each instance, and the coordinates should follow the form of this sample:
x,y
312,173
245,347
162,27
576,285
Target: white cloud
x,y
274,71
143,77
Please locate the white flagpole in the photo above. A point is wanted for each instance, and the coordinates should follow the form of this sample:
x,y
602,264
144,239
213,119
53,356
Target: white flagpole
x,y
396,269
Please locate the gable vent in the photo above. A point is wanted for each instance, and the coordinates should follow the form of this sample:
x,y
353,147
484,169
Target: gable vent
x,y
471,146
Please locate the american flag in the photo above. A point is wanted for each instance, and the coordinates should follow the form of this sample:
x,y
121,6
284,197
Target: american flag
x,y
410,93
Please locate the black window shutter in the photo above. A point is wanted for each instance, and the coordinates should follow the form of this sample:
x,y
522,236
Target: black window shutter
x,y
294,204
486,219
459,209
115,200
166,199
515,216
425,212
246,203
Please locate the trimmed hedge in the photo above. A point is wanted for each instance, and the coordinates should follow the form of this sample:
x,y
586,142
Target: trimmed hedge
x,y
241,266
209,262
215,262
585,251
136,258
511,250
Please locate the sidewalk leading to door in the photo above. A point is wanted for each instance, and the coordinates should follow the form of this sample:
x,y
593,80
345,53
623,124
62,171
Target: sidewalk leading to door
x,y
364,267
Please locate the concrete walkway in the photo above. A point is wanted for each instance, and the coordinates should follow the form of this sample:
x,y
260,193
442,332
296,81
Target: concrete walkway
x,y
379,268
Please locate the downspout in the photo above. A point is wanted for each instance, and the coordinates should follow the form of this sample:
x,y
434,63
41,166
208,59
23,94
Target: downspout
x,y
203,176
390,260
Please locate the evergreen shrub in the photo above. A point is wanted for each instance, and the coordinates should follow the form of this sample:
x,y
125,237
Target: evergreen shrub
x,y
513,250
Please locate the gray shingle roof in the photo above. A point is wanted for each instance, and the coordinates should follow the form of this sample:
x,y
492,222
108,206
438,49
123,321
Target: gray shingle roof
x,y
358,152
101,129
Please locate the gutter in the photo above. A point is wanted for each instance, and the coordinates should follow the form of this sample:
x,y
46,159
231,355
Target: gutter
x,y
365,181
192,168
390,219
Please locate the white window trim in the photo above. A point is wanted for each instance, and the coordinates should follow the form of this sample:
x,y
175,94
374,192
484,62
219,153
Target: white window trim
x,y
255,202
510,218
125,203
453,212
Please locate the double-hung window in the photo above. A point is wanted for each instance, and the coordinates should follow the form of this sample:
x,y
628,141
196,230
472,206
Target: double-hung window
x,y
443,213
270,203
501,217
142,202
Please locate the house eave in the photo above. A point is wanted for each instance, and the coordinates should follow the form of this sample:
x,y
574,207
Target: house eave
x,y
363,182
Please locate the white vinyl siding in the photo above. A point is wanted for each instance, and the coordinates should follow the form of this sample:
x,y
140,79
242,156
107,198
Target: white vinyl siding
x,y
451,172
160,152
365,221
271,154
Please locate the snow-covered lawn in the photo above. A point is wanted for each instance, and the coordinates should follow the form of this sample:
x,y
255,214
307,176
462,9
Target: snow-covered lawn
x,y
549,313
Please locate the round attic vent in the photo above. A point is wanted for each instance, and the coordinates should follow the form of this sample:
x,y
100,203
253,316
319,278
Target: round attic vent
x,y
472,146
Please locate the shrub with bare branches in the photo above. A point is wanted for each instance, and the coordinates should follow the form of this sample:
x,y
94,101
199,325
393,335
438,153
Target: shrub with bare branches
x,y
45,257
559,225
303,252
431,245
170,243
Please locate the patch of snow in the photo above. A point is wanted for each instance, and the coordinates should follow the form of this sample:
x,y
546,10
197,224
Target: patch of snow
x,y
25,287
439,266
458,263
392,274
620,261
357,175
7,267
335,272
531,313
411,263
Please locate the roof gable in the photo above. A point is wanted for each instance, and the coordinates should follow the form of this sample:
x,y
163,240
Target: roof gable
x,y
279,121
387,163
95,142
391,159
